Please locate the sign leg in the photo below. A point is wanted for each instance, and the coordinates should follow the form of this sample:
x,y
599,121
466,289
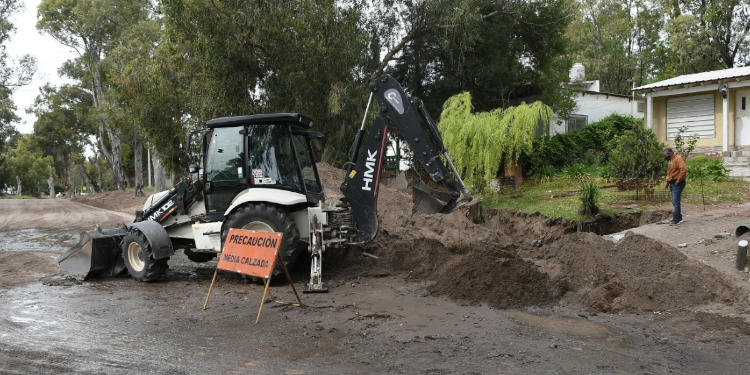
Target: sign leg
x,y
262,301
216,271
289,278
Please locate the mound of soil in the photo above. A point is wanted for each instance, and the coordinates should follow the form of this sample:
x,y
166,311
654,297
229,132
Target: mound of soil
x,y
117,200
494,263
637,273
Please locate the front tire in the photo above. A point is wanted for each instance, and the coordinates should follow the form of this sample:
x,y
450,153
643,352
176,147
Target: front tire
x,y
266,218
138,258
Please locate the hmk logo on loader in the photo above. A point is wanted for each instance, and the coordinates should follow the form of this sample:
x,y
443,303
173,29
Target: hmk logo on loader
x,y
157,215
370,165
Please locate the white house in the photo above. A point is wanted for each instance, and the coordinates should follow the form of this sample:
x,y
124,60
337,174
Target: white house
x,y
592,105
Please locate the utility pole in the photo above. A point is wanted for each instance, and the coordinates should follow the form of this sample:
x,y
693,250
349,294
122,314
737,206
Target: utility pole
x,y
149,166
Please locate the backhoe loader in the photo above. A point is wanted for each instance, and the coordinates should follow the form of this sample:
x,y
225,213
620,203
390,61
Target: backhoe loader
x,y
258,172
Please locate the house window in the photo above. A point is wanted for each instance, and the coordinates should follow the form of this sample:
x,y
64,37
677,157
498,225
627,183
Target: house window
x,y
696,112
743,103
577,122
641,107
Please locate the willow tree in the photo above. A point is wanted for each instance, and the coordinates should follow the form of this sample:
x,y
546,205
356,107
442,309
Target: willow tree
x,y
480,143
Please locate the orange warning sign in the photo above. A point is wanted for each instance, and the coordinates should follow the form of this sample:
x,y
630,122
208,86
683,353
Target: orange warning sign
x,y
250,252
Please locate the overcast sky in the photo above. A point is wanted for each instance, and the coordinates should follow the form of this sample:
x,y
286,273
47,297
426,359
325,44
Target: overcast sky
x,y
49,54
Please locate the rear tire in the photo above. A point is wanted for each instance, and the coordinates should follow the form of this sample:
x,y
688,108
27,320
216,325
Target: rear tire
x,y
266,218
138,258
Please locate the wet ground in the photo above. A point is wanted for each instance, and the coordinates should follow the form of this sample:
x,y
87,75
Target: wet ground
x,y
370,322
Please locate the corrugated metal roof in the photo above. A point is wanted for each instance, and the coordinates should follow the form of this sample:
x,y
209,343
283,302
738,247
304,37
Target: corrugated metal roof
x,y
715,75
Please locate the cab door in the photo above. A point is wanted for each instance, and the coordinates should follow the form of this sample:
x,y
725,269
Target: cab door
x,y
225,173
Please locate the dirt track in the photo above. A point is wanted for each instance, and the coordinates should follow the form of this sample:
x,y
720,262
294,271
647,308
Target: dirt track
x,y
376,319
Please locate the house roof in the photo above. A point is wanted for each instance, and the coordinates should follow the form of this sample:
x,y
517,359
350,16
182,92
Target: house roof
x,y
604,93
716,75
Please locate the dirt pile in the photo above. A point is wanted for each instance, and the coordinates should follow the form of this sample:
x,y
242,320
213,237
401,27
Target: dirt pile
x,y
637,273
449,249
495,263
118,200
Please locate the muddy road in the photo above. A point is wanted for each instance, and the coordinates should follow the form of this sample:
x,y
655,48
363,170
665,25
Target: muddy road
x,y
374,320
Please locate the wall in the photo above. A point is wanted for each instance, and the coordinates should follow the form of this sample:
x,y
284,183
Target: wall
x,y
597,106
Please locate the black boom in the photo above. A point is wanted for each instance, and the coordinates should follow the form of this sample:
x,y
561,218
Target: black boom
x,y
414,124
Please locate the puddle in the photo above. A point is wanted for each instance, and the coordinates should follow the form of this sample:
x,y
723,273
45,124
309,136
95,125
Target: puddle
x,y
30,240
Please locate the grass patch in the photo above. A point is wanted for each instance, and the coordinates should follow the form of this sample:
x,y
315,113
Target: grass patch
x,y
558,197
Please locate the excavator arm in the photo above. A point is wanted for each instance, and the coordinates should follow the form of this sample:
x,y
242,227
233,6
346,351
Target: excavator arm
x,y
360,187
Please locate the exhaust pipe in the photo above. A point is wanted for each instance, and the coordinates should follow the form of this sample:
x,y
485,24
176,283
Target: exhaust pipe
x,y
741,260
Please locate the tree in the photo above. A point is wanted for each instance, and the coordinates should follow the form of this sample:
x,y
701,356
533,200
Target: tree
x,y
63,127
637,160
30,166
479,143
12,74
503,52
707,35
93,28
617,41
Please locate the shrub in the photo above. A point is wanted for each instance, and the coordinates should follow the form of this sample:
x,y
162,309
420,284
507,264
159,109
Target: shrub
x,y
591,144
685,145
637,155
702,167
589,197
576,170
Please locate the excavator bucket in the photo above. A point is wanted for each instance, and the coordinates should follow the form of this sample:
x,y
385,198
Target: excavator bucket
x,y
431,201
96,254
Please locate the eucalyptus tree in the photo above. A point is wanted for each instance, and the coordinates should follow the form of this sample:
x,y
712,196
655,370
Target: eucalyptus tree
x,y
619,42
706,35
12,74
93,28
64,125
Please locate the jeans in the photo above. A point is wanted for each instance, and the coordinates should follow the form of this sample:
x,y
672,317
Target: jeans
x,y
676,190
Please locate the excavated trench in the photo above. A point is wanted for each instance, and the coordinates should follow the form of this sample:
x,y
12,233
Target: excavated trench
x,y
495,262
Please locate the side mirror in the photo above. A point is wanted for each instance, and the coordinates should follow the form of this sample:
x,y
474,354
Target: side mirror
x,y
193,168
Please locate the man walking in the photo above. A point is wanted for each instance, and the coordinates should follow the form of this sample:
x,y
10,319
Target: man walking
x,y
676,174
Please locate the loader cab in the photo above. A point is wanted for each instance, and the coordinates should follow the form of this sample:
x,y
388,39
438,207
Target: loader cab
x,y
269,151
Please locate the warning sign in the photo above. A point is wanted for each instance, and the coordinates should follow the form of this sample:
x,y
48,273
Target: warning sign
x,y
250,252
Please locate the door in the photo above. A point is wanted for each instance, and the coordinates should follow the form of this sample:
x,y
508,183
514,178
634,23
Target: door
x,y
225,168
695,112
742,118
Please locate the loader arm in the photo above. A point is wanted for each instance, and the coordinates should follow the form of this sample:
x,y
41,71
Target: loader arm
x,y
360,187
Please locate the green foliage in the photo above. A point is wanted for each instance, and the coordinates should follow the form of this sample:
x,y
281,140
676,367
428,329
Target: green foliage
x,y
589,196
577,170
637,155
479,142
497,50
590,145
685,145
28,163
702,168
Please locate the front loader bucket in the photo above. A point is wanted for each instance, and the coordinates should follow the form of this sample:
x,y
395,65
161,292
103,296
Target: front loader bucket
x,y
96,254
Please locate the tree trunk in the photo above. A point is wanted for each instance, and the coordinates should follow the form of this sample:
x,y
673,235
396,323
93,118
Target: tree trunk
x,y
51,182
111,155
160,178
18,186
138,164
